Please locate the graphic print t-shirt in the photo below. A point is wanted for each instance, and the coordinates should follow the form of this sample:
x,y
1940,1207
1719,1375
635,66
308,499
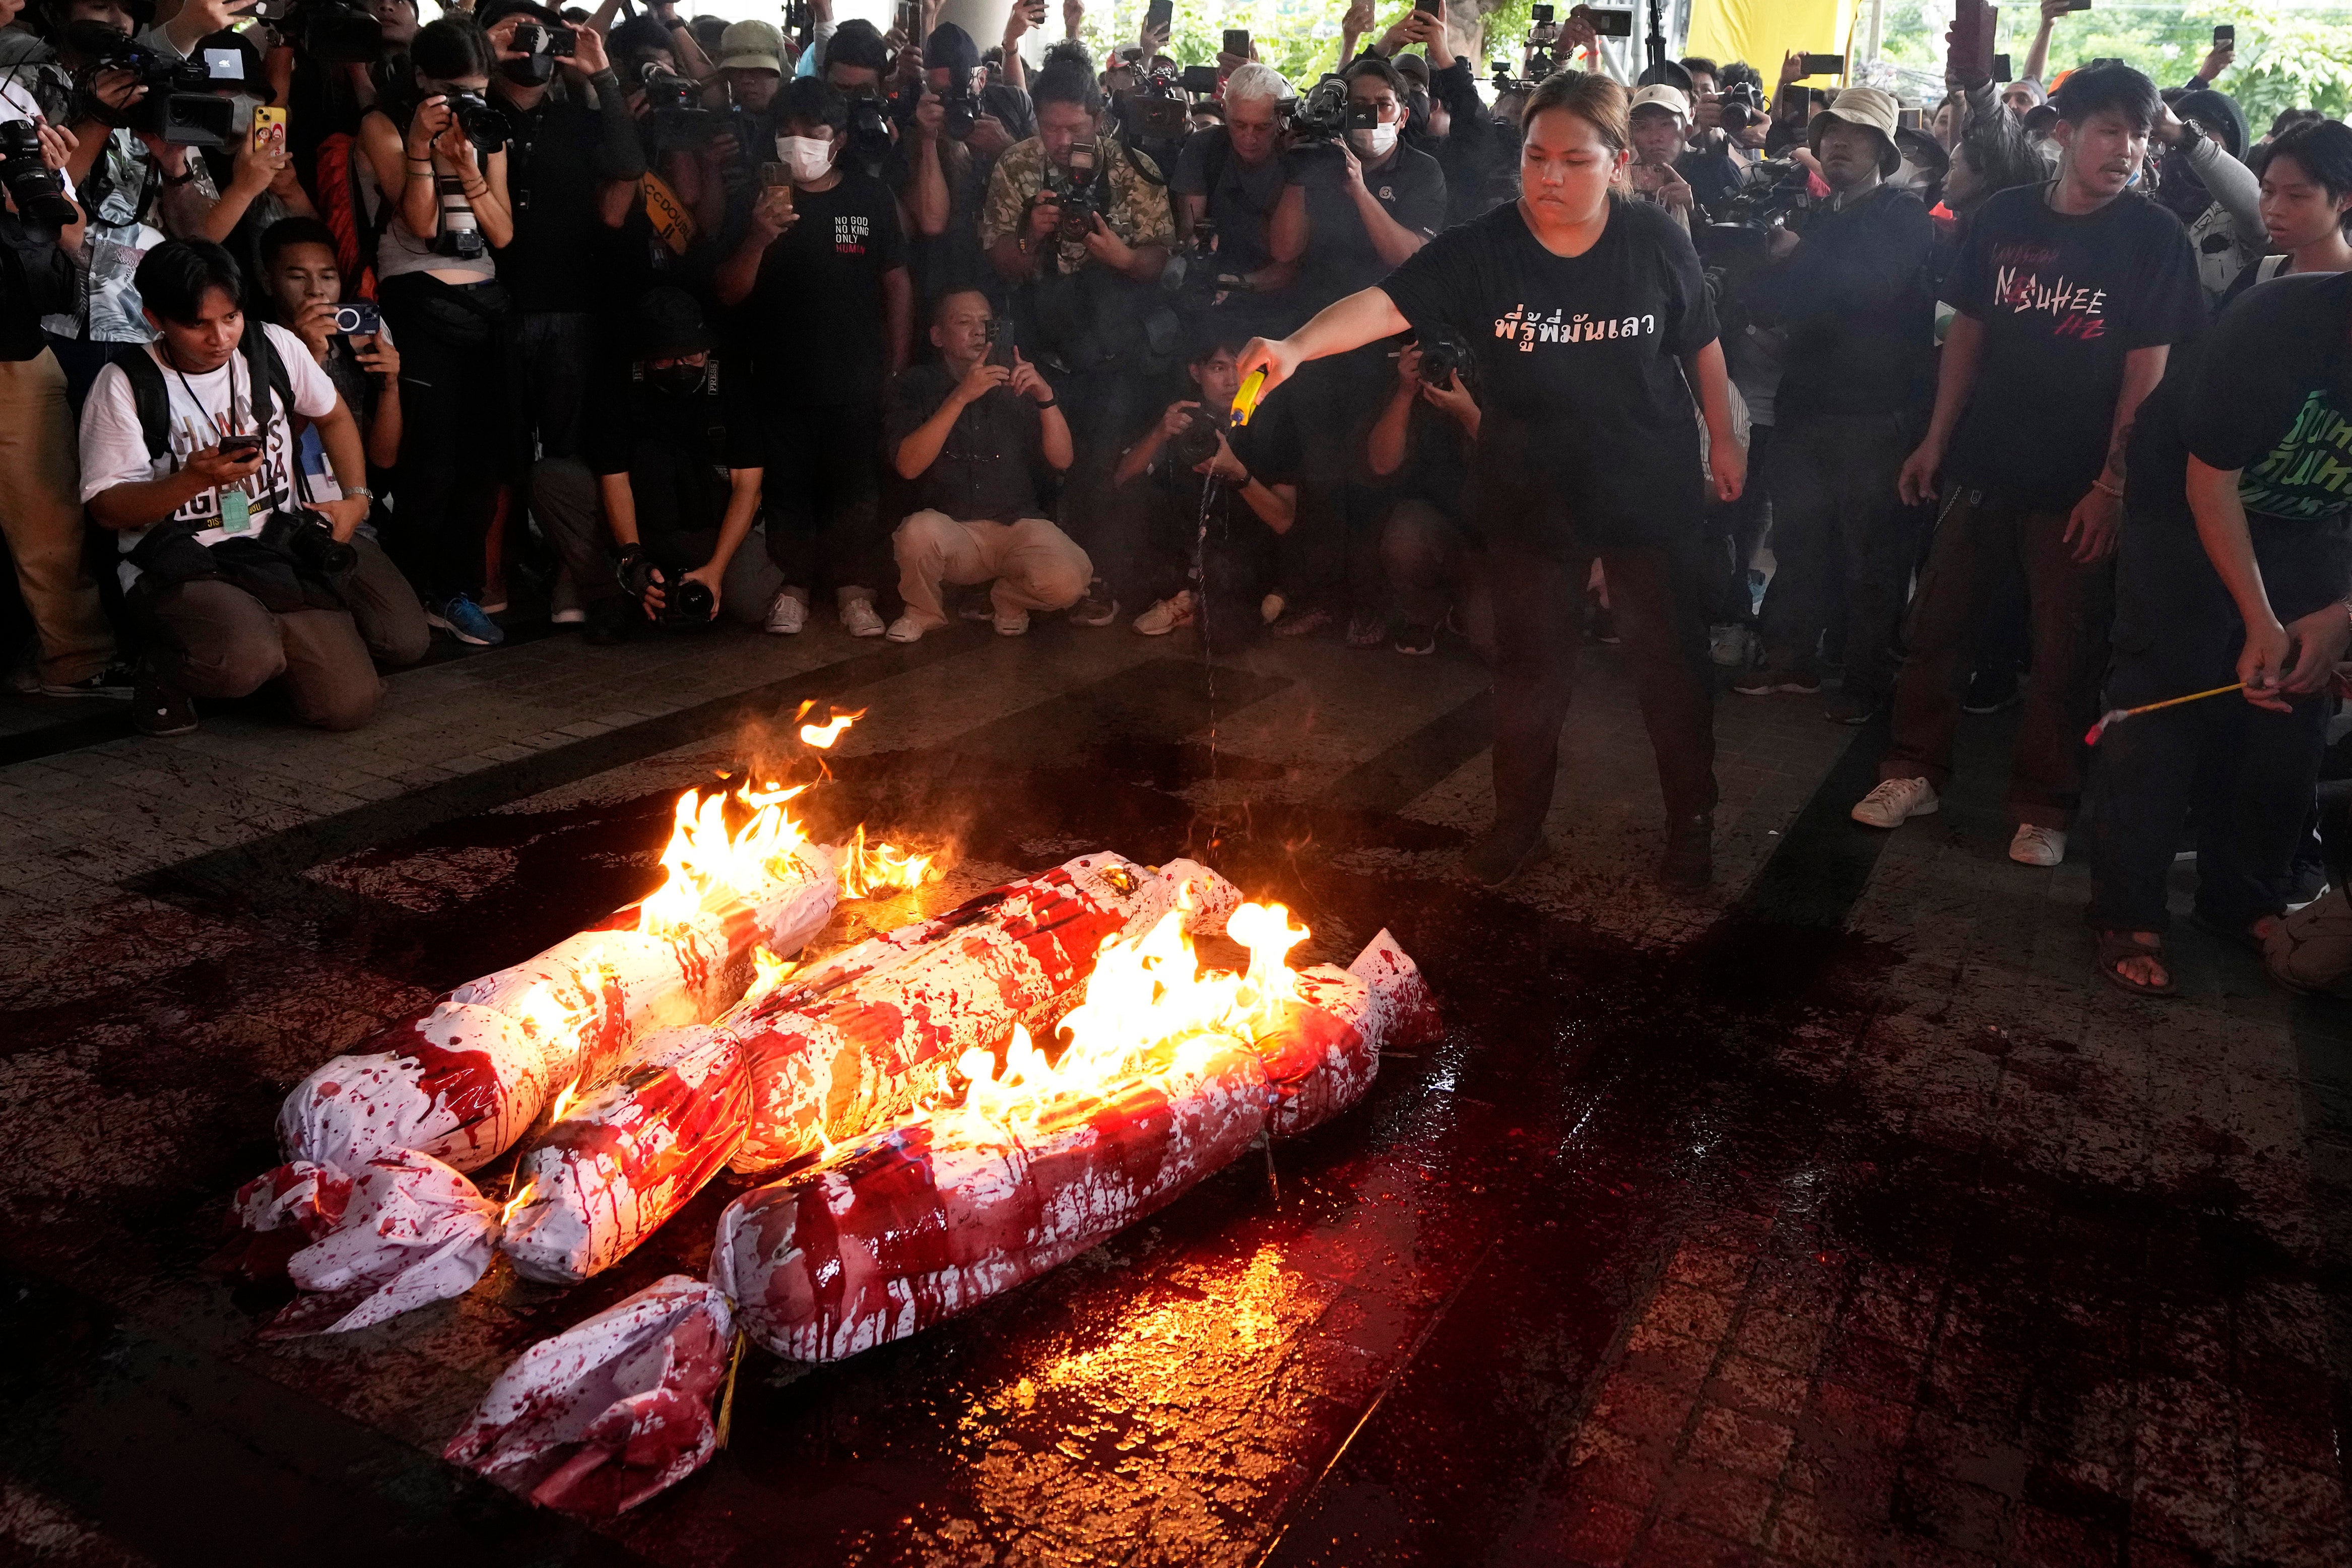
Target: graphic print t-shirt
x,y
2063,299
203,408
2268,392
1588,431
815,313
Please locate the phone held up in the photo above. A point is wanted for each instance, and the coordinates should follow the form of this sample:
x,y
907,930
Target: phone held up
x,y
360,319
268,129
2225,36
1610,22
1159,16
1237,43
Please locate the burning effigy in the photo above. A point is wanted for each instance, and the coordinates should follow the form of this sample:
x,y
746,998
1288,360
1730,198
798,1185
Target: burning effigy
x,y
929,1153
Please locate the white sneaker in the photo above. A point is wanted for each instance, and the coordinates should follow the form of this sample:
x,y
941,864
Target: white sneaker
x,y
2037,845
563,602
1011,624
1167,615
859,617
569,615
1895,801
787,614
906,628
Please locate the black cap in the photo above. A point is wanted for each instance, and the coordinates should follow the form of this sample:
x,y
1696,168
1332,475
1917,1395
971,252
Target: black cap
x,y
669,323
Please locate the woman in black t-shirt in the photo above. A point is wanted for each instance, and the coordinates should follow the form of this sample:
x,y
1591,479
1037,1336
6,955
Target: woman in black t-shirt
x,y
1590,322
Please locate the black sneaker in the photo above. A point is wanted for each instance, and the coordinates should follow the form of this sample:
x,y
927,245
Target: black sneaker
x,y
1689,863
1990,691
159,710
1604,627
1416,641
116,680
610,621
1503,854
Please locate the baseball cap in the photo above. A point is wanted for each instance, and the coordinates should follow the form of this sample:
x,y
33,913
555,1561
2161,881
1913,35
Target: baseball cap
x,y
751,46
1658,95
1414,66
669,323
1865,106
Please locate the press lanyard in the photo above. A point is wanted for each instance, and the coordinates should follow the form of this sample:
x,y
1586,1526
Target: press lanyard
x,y
235,511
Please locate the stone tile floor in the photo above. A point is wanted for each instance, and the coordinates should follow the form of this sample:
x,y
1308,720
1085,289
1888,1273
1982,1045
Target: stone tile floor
x,y
1837,1216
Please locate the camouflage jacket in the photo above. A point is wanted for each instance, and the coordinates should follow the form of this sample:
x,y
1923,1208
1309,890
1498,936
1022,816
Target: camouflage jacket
x,y
1136,208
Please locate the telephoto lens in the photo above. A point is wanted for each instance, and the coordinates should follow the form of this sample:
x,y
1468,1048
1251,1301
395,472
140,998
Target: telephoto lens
x,y
32,185
690,603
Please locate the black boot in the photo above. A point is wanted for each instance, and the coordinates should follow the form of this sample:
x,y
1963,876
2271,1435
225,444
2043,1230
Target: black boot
x,y
1689,863
1504,853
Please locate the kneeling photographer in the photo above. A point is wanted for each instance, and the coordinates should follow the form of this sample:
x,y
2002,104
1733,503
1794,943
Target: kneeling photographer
x,y
302,282
1204,558
188,456
1421,446
672,481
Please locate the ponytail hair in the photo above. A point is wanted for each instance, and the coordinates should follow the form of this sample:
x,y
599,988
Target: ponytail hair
x,y
1591,98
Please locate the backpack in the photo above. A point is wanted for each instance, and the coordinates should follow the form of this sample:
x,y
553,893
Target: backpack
x,y
151,399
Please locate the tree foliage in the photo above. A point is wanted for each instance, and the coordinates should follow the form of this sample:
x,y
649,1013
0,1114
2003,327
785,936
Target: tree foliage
x,y
2291,55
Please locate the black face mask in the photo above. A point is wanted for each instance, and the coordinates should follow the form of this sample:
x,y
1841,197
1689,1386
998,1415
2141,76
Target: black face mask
x,y
675,380
531,70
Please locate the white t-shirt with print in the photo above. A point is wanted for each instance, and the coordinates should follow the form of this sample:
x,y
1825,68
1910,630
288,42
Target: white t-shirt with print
x,y
203,408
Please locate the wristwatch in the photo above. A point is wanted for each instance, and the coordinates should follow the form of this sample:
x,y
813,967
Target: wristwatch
x,y
2192,131
360,492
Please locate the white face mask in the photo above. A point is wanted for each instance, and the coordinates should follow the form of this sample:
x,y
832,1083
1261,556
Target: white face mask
x,y
1374,141
805,157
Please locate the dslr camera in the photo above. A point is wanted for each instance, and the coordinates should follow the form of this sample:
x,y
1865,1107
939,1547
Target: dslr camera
x,y
1442,357
33,186
1743,106
1320,114
869,131
332,32
1078,191
674,107
185,103
1198,441
954,90
684,603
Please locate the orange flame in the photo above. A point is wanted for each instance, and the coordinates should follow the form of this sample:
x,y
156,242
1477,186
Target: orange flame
x,y
563,1101
1148,1006
768,972
705,865
514,1205
868,869
823,736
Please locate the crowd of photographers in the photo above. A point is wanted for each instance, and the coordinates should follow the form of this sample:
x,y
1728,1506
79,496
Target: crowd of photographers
x,y
326,330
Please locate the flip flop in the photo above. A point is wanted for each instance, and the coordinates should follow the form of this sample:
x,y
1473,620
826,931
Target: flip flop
x,y
2114,946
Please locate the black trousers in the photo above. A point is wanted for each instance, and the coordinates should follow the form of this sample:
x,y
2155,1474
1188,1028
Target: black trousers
x,y
459,440
823,528
1539,599
1838,529
2244,773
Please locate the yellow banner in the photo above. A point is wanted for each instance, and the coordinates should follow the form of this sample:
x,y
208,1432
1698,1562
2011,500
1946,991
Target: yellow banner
x,y
1761,31
670,218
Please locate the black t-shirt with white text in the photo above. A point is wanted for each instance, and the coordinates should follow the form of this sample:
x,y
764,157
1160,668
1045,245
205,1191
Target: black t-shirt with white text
x,y
2063,300
814,316
1588,432
1340,258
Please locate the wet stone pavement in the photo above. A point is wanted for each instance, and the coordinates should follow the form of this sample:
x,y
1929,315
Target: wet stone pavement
x,y
1836,1217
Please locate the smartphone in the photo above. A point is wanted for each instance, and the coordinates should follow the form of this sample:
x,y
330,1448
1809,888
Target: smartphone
x,y
776,177
1608,23
1910,120
1974,26
2078,4
2000,71
1428,5
1825,65
1237,43
909,21
238,448
269,128
1000,341
360,319
1159,16
1539,14
2225,36
1200,81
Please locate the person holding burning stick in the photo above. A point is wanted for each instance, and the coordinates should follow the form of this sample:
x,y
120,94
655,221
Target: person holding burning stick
x,y
1587,312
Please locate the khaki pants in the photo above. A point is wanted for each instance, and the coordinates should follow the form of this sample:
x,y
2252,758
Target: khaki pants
x,y
215,640
1033,564
40,514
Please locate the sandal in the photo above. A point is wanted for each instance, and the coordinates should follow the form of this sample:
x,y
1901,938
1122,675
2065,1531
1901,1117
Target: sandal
x,y
2116,946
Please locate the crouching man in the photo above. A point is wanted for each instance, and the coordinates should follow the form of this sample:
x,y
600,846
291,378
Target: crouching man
x,y
968,435
188,456
672,482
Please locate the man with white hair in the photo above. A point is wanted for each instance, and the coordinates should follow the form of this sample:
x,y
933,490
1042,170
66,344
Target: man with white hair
x,y
1232,176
